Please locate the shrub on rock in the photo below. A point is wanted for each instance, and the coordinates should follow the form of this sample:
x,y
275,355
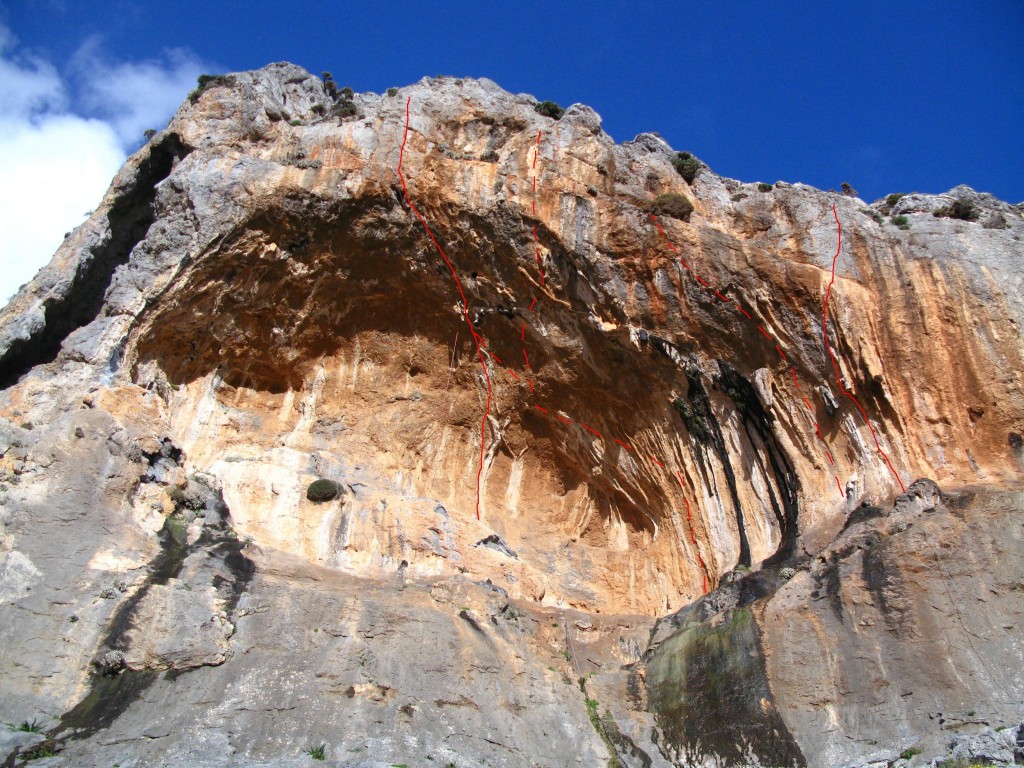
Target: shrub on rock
x,y
323,490
687,166
958,209
549,109
676,206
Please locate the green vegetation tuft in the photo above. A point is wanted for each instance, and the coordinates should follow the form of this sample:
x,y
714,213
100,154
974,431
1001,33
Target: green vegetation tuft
x,y
901,221
322,490
206,81
392,91
549,109
762,187
672,205
318,753
958,209
345,108
687,166
909,752
30,726
894,198
694,419
46,749
595,720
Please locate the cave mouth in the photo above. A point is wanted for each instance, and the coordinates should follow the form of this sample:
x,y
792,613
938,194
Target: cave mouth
x,y
128,220
291,296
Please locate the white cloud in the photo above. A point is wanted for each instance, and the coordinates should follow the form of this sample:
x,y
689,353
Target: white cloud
x,y
27,84
56,161
53,171
134,96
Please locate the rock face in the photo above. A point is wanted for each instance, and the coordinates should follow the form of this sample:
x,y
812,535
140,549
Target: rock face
x,y
558,393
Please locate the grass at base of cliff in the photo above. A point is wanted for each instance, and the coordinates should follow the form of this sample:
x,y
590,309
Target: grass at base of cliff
x,y
595,720
318,752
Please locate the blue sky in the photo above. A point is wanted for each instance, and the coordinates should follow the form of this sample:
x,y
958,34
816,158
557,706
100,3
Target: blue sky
x,y
886,96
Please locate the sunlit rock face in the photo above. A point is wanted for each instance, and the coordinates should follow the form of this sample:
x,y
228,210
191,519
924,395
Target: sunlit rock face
x,y
638,399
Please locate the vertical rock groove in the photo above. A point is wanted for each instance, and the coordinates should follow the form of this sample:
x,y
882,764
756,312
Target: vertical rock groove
x,y
128,220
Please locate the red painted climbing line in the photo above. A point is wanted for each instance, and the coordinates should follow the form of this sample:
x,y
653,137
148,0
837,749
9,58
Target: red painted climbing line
x,y
760,328
659,463
662,231
693,537
465,305
835,364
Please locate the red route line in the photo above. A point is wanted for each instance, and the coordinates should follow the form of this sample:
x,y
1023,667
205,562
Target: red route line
x,y
759,327
662,231
465,305
693,537
653,458
835,364
480,343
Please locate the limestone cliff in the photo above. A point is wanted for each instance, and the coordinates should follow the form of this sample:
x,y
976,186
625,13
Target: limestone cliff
x,y
560,388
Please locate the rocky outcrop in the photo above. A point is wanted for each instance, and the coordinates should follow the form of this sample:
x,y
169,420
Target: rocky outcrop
x,y
527,320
